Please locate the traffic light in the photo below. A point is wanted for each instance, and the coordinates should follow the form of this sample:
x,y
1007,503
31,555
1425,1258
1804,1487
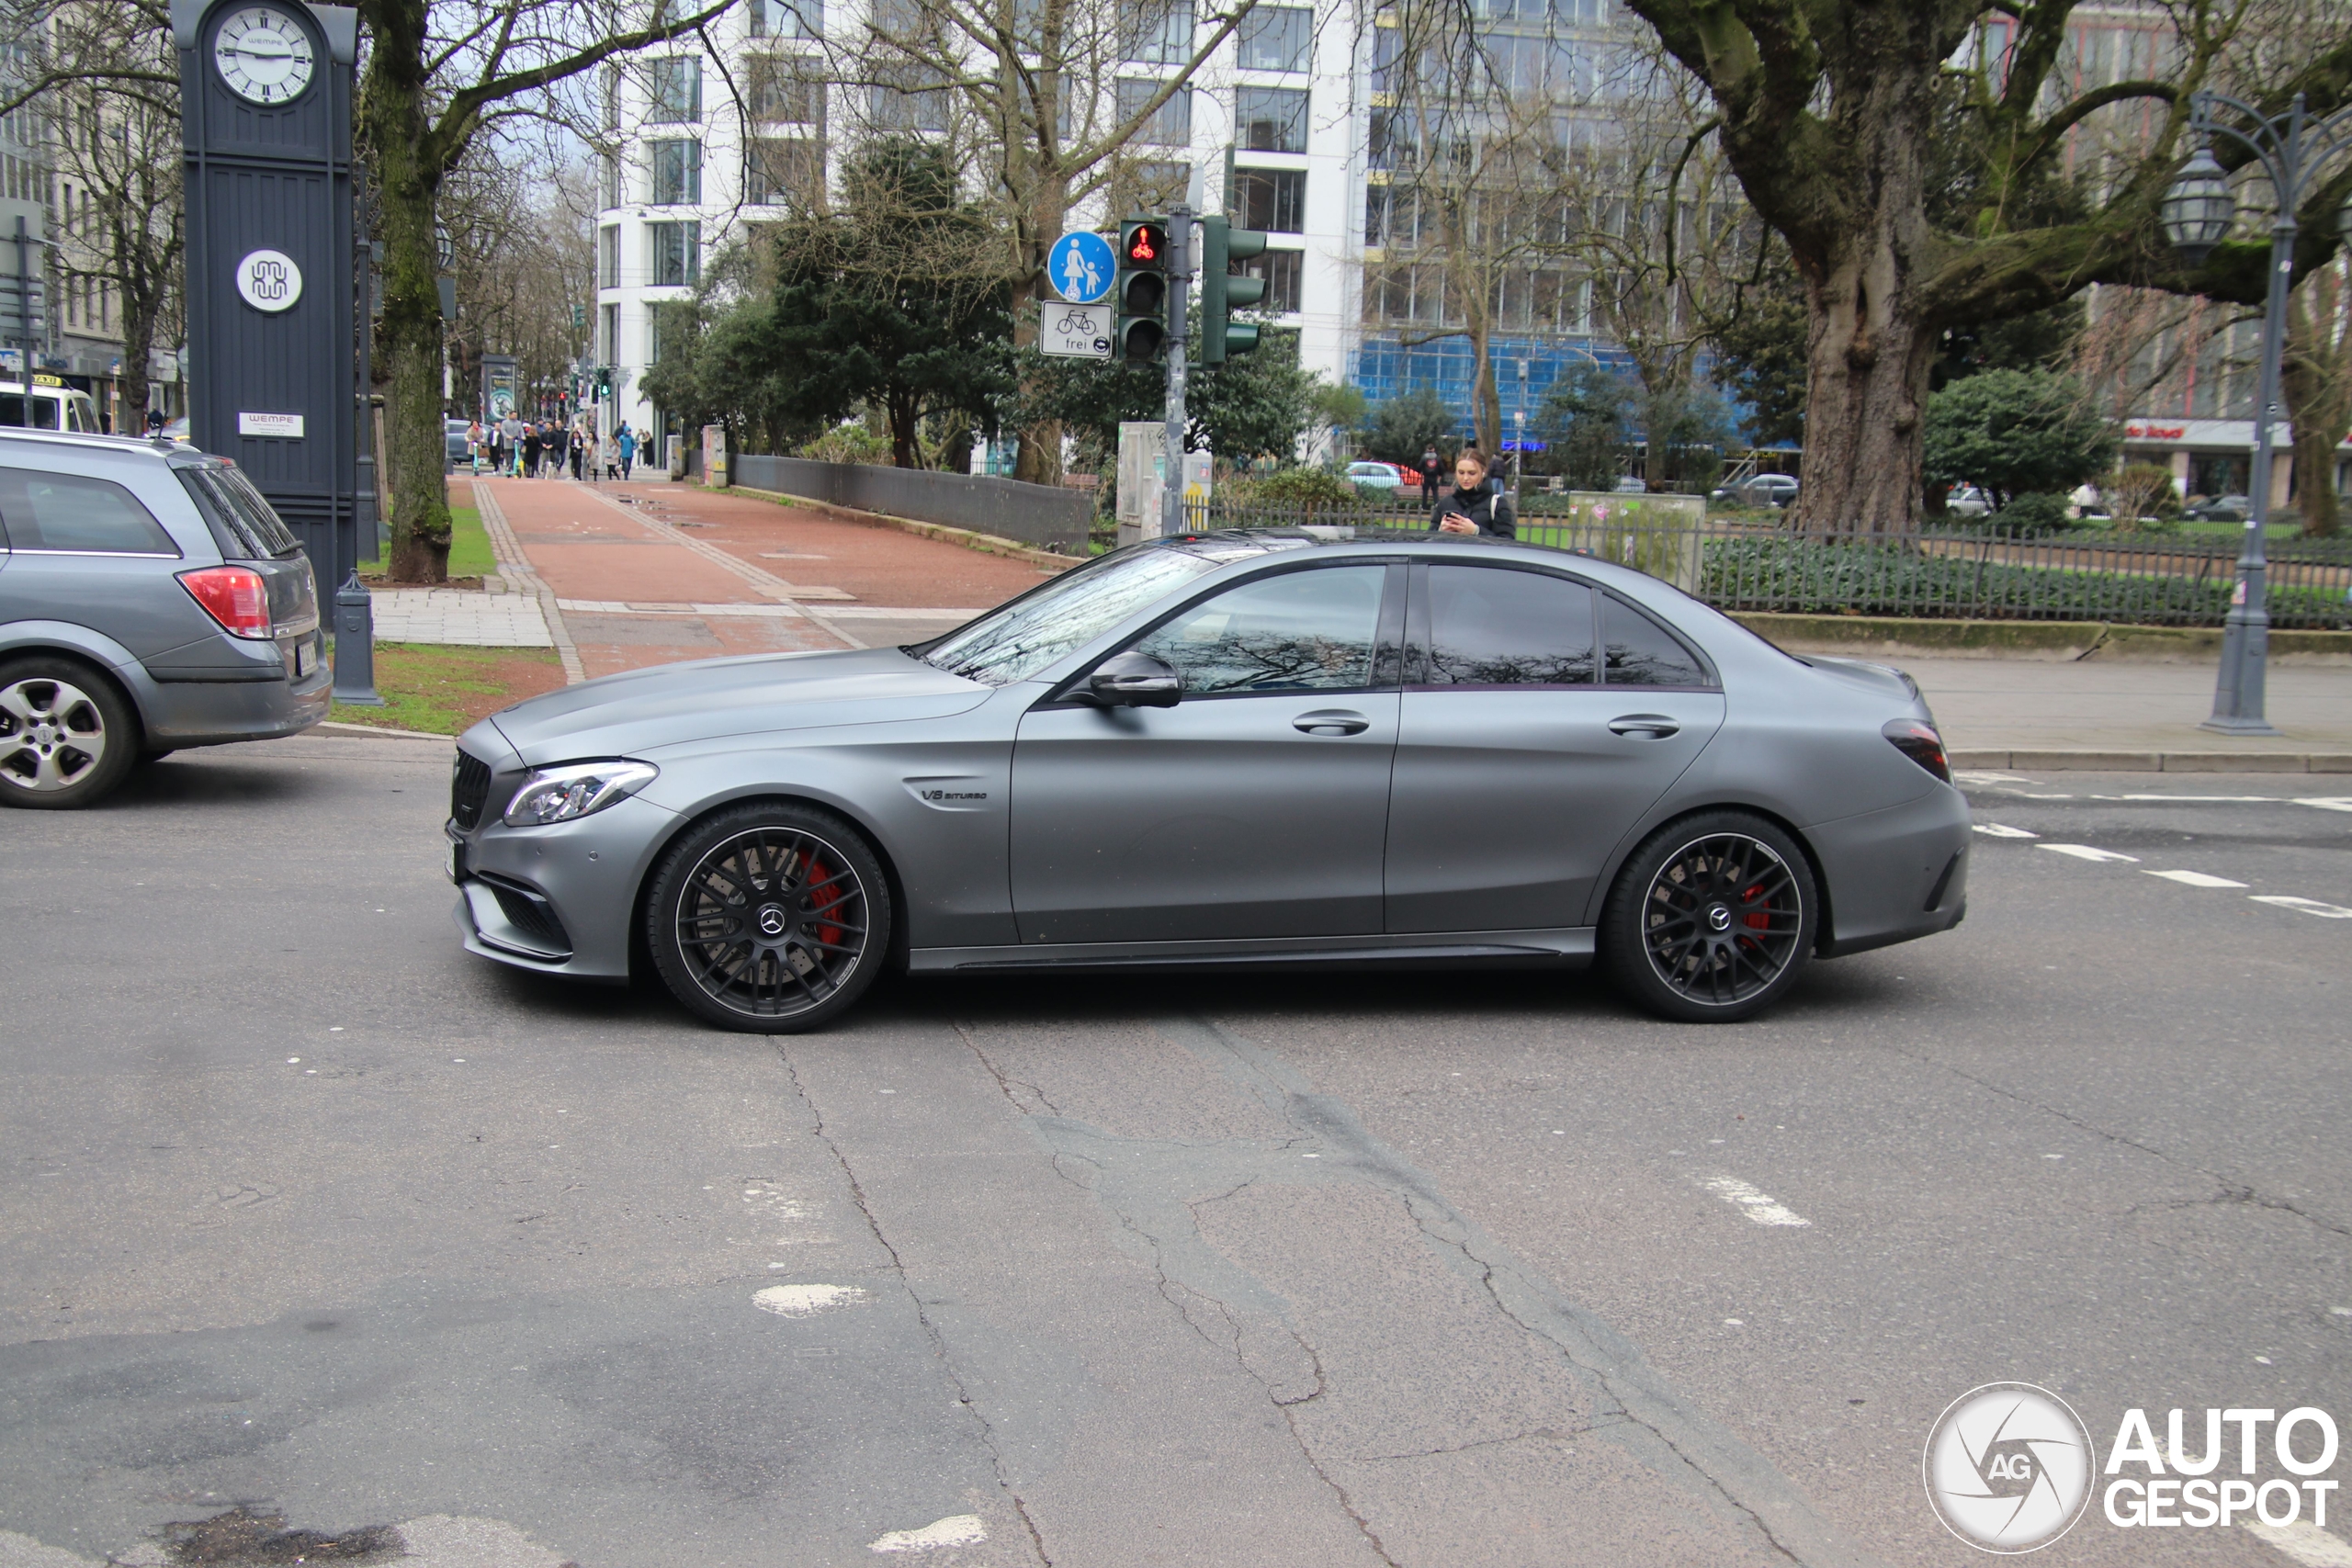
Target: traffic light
x,y
1141,288
603,382
1222,293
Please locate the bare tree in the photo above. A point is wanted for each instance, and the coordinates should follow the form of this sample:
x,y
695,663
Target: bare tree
x,y
438,78
116,135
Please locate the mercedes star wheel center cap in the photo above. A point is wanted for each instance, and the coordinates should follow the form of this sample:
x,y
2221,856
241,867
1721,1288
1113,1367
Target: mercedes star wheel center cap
x,y
771,920
1719,918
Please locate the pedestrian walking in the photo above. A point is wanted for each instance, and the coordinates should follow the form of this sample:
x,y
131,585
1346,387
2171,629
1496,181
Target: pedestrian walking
x,y
588,451
1475,507
532,441
510,444
1432,471
574,444
625,440
473,444
558,441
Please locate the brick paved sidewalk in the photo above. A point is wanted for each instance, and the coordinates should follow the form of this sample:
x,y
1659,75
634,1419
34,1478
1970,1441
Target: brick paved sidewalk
x,y
644,574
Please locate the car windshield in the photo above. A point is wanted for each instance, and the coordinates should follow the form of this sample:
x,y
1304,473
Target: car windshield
x,y
1015,641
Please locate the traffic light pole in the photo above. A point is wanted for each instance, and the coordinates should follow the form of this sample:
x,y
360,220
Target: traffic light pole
x,y
1179,281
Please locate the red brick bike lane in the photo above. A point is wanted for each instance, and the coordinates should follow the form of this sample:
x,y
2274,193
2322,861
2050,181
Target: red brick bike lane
x,y
653,573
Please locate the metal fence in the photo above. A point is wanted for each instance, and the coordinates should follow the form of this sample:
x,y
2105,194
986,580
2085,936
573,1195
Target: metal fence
x,y
2142,578
1043,515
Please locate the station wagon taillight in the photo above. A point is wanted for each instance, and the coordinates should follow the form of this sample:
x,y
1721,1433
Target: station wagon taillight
x,y
233,595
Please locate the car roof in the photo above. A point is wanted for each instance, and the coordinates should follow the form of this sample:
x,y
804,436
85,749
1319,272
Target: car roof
x,y
1233,547
17,436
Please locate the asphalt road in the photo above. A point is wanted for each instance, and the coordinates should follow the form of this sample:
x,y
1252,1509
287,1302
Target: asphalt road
x,y
311,1222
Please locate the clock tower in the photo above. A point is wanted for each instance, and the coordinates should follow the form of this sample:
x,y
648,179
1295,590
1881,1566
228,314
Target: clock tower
x,y
273,314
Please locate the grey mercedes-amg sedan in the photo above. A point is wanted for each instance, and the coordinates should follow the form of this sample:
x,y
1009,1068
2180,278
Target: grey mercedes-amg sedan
x,y
1226,750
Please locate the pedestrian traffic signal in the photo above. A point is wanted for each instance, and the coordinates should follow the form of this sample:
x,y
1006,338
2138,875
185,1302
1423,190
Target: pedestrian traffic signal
x,y
1222,293
1141,288
603,382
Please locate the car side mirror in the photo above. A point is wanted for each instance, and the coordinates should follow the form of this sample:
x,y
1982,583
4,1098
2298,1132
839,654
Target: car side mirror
x,y
1133,680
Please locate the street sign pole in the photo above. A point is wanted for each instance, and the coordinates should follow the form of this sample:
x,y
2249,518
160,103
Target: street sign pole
x,y
1179,279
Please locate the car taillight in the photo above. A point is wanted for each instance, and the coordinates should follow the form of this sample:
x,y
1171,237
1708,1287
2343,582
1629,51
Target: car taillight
x,y
233,595
1919,742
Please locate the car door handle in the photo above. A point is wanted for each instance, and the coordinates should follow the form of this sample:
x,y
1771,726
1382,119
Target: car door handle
x,y
1331,721
1656,726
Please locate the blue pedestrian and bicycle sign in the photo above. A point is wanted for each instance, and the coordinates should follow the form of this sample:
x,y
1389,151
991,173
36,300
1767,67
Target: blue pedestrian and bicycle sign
x,y
1079,267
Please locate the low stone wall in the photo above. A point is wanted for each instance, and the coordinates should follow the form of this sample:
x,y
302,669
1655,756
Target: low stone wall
x,y
1038,516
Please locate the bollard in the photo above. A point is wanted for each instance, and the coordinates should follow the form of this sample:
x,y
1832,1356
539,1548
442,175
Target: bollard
x,y
354,645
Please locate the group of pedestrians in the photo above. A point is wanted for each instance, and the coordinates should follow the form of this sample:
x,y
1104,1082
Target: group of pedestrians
x,y
542,450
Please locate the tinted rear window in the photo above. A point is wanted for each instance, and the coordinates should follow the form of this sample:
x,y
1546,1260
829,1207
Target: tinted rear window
x,y
69,512
1490,626
247,526
1643,653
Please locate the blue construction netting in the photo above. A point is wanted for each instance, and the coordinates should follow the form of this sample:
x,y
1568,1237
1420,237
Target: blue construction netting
x,y
1383,369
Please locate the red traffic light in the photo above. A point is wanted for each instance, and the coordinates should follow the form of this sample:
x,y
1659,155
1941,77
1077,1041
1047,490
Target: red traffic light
x,y
1147,245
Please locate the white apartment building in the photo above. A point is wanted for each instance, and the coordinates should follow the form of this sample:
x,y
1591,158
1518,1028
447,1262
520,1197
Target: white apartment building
x,y
709,145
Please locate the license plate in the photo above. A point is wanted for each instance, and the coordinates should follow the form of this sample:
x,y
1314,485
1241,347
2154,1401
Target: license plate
x,y
306,658
453,859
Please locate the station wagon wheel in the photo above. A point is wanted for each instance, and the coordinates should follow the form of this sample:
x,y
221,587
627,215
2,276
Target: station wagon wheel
x,y
66,736
770,919
1712,918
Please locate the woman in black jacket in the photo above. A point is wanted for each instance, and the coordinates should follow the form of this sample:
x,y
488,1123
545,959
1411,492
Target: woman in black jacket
x,y
1475,506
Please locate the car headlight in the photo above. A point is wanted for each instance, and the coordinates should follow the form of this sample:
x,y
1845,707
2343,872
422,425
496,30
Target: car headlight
x,y
575,789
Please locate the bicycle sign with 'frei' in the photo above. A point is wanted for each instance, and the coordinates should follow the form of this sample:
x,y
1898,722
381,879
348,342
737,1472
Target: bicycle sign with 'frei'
x,y
1079,332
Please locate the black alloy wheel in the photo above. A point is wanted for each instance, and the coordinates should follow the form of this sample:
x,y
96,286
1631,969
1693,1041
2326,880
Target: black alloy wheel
x,y
770,919
1712,918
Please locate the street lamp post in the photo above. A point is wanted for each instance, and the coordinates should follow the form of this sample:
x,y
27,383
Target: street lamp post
x,y
2196,213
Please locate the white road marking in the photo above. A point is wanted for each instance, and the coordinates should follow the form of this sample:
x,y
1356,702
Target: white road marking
x,y
2193,879
955,1529
806,1301
2083,852
2305,905
1973,777
1997,830
1756,1205
2304,1542
2327,802
2222,800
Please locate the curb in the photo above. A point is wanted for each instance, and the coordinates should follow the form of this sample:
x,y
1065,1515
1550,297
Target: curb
x,y
987,544
2158,761
381,731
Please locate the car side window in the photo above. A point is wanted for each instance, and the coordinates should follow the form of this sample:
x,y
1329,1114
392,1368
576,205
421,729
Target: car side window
x,y
70,512
1490,626
1296,631
1643,653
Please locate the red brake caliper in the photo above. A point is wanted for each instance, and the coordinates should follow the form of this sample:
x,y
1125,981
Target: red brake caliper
x,y
821,892
1755,921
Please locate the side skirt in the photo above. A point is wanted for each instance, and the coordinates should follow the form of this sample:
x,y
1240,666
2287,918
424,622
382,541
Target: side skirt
x,y
1565,948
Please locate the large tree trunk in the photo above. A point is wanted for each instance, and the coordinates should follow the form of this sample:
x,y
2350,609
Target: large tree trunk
x,y
2315,384
1038,459
394,117
1867,346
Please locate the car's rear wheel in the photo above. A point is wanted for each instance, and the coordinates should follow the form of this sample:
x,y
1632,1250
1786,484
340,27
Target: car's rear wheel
x,y
1710,919
67,738
772,918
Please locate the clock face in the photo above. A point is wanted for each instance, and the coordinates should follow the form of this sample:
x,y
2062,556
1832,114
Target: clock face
x,y
263,54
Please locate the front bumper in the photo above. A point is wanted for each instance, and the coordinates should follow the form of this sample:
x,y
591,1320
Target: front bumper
x,y
1896,874
560,898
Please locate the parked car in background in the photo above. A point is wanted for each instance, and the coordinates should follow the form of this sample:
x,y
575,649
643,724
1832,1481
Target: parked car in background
x,y
454,435
2222,509
1593,766
1758,489
1377,476
1967,501
149,599
1629,485
48,403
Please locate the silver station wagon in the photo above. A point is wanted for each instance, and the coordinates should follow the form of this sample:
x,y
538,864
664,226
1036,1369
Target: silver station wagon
x,y
1227,749
149,599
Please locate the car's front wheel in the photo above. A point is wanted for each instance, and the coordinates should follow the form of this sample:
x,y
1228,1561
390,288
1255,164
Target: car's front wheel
x,y
1712,918
771,918
67,738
